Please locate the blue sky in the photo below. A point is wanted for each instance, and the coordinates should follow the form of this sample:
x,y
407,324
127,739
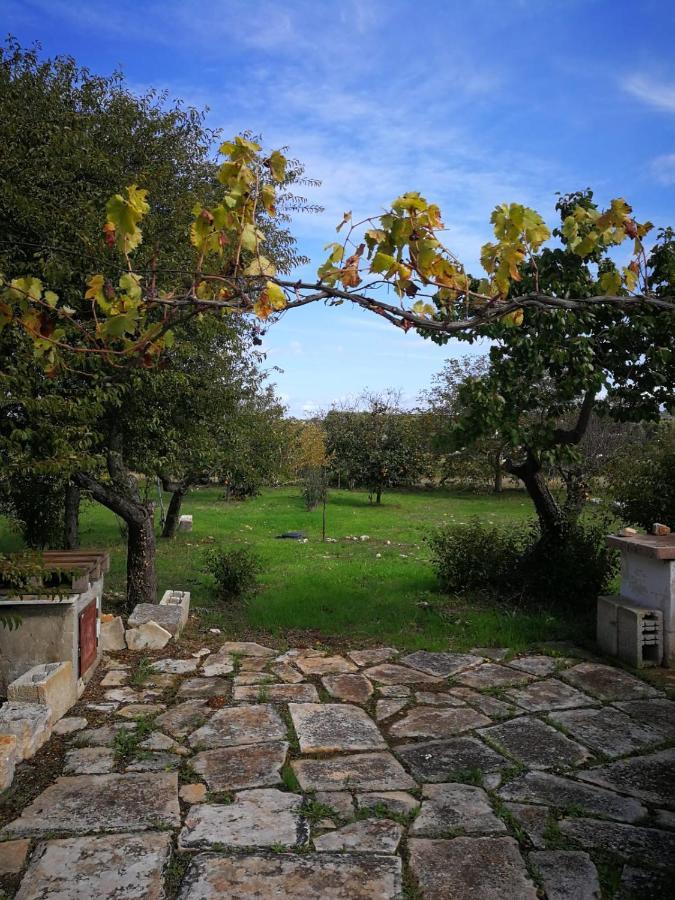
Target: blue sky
x,y
473,103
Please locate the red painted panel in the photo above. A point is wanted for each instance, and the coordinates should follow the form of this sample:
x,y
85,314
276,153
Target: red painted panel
x,y
88,644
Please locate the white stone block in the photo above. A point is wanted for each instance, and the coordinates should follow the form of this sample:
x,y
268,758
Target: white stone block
x,y
7,759
639,636
185,523
30,723
180,599
650,582
149,636
51,684
607,620
112,633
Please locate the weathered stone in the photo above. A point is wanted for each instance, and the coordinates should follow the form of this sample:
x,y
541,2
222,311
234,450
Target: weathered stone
x,y
388,673
49,684
441,664
435,722
608,683
124,695
434,761
496,653
535,744
607,730
236,768
385,709
356,772
179,600
455,807
644,884
175,666
489,706
325,665
149,636
331,727
111,662
394,690
371,657
254,664
158,741
287,673
246,648
13,856
140,710
662,818
564,793
104,708
169,617
69,725
217,664
491,675
340,802
90,803
250,678
106,867
236,725
549,694
186,717
398,802
30,723
536,665
658,714
278,693
259,818
440,698
651,778
468,868
103,736
89,761
115,678
204,687
567,874
185,523
193,793
366,836
112,634
349,688
161,761
534,820
331,876
650,846
8,759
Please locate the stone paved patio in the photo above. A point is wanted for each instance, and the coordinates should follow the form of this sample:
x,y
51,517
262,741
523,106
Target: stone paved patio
x,y
248,772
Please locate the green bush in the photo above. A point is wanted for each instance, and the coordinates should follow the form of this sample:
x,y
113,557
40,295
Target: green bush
x,y
643,482
35,505
235,571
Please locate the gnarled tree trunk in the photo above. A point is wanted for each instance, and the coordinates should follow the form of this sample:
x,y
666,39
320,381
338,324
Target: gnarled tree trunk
x,y
173,511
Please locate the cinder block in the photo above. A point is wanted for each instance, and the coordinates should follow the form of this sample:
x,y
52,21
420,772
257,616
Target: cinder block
x,y
180,600
30,723
607,621
639,636
185,523
50,684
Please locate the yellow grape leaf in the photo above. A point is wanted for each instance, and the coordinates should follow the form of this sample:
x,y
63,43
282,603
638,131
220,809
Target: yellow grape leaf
x,y
275,294
261,266
514,318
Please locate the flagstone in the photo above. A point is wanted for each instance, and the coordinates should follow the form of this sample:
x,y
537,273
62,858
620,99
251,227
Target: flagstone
x,y
496,653
536,665
366,836
332,727
468,868
13,856
180,720
489,706
115,678
356,772
549,694
254,664
237,768
607,682
140,710
287,673
247,648
204,687
385,709
69,725
567,874
650,846
565,793
650,778
658,714
175,666
491,675
89,761
373,656
259,818
438,698
440,664
450,807
349,688
437,722
235,725
325,665
158,741
394,690
103,736
277,693
89,803
388,673
161,761
340,802
399,802
127,695
293,876
249,678
217,664
644,884
435,761
534,820
535,744
607,730
193,793
106,867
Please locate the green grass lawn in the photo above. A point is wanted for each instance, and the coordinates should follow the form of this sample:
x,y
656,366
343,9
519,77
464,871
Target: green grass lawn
x,y
381,590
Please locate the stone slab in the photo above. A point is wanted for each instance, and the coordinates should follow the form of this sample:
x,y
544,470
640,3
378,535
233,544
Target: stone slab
x,y
193,793
107,868
111,637
492,675
247,648
649,846
161,761
169,617
536,664
148,636
158,741
567,874
399,802
389,673
13,856
140,710
438,698
287,673
607,682
277,693
549,694
535,744
534,820
175,666
69,725
253,664
644,884
49,684
237,768
437,722
385,709
658,714
373,656
90,803
257,818
334,727
354,772
204,687
30,723
564,793
103,736
348,688
608,731
366,836
340,802
89,761
391,691
440,664
650,778
180,720
8,759
325,665
217,664
436,761
489,706
115,678
455,808
236,725
468,868
331,876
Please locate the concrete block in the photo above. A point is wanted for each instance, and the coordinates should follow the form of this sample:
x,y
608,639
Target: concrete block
x,y
51,684
607,622
30,723
185,523
112,633
180,600
7,759
639,636
149,636
171,618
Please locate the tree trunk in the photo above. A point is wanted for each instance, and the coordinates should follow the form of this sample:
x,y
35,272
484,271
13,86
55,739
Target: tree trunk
x,y
498,473
378,495
173,515
141,577
71,517
551,517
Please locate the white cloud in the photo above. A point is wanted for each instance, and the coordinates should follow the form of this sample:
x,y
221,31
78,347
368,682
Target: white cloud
x,y
653,91
663,168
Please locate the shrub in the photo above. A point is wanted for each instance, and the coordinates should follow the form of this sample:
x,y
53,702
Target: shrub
x,y
643,482
35,506
314,489
235,571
